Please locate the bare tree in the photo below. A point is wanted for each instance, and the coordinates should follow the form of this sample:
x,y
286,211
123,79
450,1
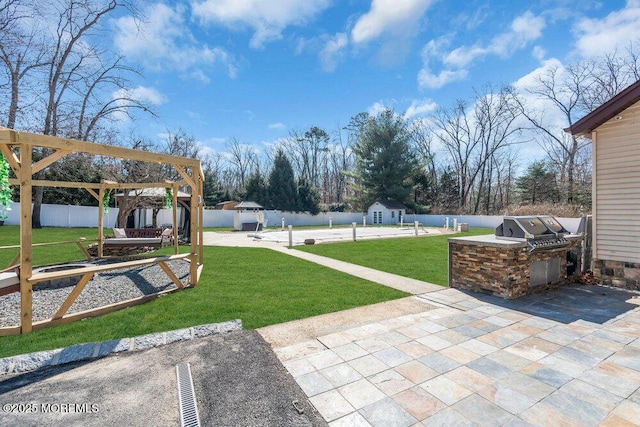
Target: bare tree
x,y
51,49
243,160
472,137
565,89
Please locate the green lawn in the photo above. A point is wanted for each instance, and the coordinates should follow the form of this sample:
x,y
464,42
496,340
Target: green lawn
x,y
259,286
42,255
422,258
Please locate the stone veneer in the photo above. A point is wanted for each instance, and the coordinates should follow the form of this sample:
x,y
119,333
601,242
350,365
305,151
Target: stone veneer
x,y
617,273
501,268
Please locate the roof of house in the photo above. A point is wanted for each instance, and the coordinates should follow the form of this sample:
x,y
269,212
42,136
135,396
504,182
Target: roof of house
x,y
606,111
226,203
248,205
391,204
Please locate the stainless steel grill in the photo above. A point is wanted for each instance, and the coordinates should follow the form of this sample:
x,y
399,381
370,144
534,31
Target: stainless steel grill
x,y
541,233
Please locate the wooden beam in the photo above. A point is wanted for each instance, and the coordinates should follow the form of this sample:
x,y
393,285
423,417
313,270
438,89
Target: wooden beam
x,y
83,249
47,161
11,330
26,289
40,277
100,310
73,296
11,157
187,178
171,275
92,148
93,193
82,239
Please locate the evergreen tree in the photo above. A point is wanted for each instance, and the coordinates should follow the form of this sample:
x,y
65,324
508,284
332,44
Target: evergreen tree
x,y
282,185
448,192
256,190
212,189
538,185
385,160
308,197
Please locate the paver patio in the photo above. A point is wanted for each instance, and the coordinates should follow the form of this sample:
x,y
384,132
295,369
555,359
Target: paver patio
x,y
569,357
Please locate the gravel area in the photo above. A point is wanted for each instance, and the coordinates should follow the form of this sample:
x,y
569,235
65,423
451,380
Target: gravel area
x,y
105,288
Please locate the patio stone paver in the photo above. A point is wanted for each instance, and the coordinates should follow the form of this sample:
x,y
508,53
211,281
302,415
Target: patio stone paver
x,y
507,398
416,372
361,393
418,402
446,390
387,413
339,375
349,351
481,411
331,405
368,365
592,394
392,356
414,349
439,362
352,420
391,382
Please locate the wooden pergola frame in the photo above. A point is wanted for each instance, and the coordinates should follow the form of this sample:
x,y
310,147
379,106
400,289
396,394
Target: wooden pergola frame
x,y
24,168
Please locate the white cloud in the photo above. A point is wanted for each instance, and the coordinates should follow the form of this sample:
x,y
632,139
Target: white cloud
x,y
376,108
429,80
453,64
332,50
524,29
420,108
141,93
391,24
145,95
165,41
277,126
539,52
266,18
601,36
394,17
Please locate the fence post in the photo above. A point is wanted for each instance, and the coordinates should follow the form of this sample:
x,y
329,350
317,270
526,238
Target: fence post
x,y
282,225
364,221
353,225
290,235
330,223
415,226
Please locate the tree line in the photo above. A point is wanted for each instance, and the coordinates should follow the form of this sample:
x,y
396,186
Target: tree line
x,y
501,148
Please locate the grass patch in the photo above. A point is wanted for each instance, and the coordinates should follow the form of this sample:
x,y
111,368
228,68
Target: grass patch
x,y
259,286
43,255
423,258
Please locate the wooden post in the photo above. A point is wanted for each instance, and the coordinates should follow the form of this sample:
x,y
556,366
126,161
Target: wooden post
x,y
201,216
100,221
193,232
174,213
26,250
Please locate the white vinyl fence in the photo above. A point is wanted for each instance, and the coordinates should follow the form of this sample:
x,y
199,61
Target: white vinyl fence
x,y
87,216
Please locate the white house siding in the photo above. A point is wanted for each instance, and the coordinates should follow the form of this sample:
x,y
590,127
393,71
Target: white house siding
x,y
616,190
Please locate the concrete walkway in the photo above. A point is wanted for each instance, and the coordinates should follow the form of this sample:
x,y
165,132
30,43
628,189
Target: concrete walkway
x,y
570,357
395,281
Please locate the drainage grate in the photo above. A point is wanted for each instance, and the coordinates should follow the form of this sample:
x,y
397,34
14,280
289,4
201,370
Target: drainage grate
x,y
187,397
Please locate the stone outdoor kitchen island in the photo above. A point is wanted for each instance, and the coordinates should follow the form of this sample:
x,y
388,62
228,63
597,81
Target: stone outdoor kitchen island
x,y
508,269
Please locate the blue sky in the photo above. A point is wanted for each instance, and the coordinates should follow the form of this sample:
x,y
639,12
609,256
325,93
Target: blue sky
x,y
257,69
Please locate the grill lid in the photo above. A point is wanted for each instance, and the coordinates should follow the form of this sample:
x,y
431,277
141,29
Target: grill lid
x,y
530,227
